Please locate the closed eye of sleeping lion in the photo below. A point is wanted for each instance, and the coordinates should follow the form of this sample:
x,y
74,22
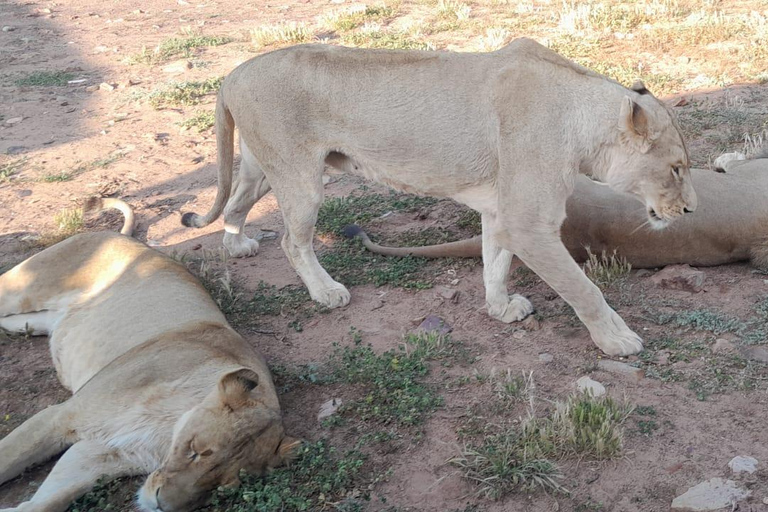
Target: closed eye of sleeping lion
x,y
730,224
505,133
161,384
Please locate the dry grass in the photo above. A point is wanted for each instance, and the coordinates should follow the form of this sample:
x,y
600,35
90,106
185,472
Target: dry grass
x,y
606,269
277,35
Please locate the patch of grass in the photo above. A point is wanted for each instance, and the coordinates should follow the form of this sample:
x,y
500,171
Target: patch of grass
x,y
501,464
471,221
582,425
351,264
647,427
605,270
45,79
68,222
177,47
57,177
184,93
105,496
10,169
395,392
702,320
201,121
453,10
335,213
287,33
68,175
319,478
374,37
511,387
351,19
494,39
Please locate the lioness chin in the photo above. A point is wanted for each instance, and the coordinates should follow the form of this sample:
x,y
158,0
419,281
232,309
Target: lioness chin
x,y
504,132
161,384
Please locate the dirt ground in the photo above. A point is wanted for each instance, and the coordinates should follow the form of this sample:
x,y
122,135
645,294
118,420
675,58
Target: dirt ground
x,y
709,406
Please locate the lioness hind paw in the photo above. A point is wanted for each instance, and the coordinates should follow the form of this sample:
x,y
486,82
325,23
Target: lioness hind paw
x,y
241,247
515,309
335,297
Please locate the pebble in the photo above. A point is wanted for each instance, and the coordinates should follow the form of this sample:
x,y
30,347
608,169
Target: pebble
x,y
14,120
435,323
104,86
585,384
743,464
713,494
546,358
620,368
680,277
8,28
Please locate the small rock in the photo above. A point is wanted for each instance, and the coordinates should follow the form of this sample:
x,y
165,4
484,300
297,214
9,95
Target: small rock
x,y
765,501
8,28
587,385
14,120
329,408
680,277
92,88
443,292
518,335
24,193
546,358
713,494
743,464
180,66
722,346
435,323
620,368
643,272
104,86
754,353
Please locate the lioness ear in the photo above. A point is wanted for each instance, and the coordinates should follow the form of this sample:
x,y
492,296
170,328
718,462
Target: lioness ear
x,y
235,387
633,125
288,449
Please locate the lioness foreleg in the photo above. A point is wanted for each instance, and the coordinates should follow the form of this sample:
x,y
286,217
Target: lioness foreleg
x,y
250,186
36,440
496,262
76,472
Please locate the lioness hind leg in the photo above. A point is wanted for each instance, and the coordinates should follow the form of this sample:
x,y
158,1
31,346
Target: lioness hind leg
x,y
300,198
75,473
496,262
250,186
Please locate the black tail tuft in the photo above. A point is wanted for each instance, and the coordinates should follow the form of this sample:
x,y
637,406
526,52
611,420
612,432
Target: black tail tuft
x,y
352,230
188,219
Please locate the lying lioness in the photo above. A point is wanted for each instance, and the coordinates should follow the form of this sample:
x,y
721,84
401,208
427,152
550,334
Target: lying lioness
x,y
505,133
730,225
161,383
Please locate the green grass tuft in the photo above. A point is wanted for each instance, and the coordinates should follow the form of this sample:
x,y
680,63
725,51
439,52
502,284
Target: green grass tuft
x,y
201,121
45,79
177,47
605,270
184,93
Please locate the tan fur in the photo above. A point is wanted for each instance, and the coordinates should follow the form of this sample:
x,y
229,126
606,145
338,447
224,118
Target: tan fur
x,y
161,384
504,132
730,225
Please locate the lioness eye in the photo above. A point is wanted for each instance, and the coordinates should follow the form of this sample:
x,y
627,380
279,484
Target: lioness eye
x,y
676,170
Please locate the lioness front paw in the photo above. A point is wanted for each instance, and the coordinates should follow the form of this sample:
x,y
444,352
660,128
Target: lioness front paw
x,y
240,246
335,297
515,309
615,338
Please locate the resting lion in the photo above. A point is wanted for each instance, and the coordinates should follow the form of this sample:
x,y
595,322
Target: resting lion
x,y
505,133
161,384
730,225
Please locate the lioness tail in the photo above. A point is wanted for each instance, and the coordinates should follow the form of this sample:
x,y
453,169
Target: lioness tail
x,y
225,142
94,204
470,248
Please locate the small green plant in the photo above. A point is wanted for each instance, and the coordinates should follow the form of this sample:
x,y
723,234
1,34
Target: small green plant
x,y
702,320
338,212
288,33
45,78
177,47
318,479
58,177
392,40
393,382
105,496
647,427
69,221
605,270
201,121
501,465
184,93
10,169
349,20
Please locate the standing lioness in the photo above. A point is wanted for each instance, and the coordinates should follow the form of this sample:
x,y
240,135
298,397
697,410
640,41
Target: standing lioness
x,y
504,132
161,384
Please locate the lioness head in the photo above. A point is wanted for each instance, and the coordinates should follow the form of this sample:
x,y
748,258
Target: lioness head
x,y
650,160
230,430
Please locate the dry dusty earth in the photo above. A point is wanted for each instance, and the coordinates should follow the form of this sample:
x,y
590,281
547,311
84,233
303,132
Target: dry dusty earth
x,y
708,404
